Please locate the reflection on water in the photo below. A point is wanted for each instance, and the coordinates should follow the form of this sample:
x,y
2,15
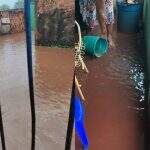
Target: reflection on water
x,y
14,96
137,75
53,82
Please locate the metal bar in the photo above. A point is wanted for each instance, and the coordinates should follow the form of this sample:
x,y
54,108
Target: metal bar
x,y
30,71
2,131
71,119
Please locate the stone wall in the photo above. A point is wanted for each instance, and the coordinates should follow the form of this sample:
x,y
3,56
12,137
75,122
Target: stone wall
x,y
55,23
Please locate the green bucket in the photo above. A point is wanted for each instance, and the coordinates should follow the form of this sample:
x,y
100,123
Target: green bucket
x,y
95,46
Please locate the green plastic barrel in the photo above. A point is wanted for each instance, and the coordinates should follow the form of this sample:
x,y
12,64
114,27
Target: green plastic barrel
x,y
33,16
95,46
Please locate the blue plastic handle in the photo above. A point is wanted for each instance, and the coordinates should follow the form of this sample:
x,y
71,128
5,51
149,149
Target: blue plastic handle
x,y
79,122
79,109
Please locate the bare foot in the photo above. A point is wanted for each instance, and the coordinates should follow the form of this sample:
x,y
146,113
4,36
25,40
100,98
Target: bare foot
x,y
111,42
104,36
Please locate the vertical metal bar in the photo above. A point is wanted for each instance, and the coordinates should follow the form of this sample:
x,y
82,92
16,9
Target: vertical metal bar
x,y
30,71
71,119
2,131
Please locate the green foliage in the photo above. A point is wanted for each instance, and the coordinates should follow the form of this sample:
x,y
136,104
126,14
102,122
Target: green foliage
x,y
4,7
19,4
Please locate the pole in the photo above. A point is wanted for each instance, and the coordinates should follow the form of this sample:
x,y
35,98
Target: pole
x,y
71,119
30,71
2,131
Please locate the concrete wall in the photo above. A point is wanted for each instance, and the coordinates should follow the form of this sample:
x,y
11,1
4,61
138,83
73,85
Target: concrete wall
x,y
55,23
16,20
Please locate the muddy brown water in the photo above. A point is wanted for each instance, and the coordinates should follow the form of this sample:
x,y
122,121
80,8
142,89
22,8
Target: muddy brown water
x,y
53,71
114,91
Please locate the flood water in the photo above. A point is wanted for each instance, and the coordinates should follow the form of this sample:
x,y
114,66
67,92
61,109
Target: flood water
x,y
114,91
53,76
53,73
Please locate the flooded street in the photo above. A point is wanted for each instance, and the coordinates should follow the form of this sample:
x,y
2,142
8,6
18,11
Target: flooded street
x,y
114,91
53,82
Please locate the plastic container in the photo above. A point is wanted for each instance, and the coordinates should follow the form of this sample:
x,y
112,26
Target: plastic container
x,y
79,122
129,17
95,46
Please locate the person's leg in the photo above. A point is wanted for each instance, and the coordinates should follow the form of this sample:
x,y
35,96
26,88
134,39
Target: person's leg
x,y
109,11
101,17
110,35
